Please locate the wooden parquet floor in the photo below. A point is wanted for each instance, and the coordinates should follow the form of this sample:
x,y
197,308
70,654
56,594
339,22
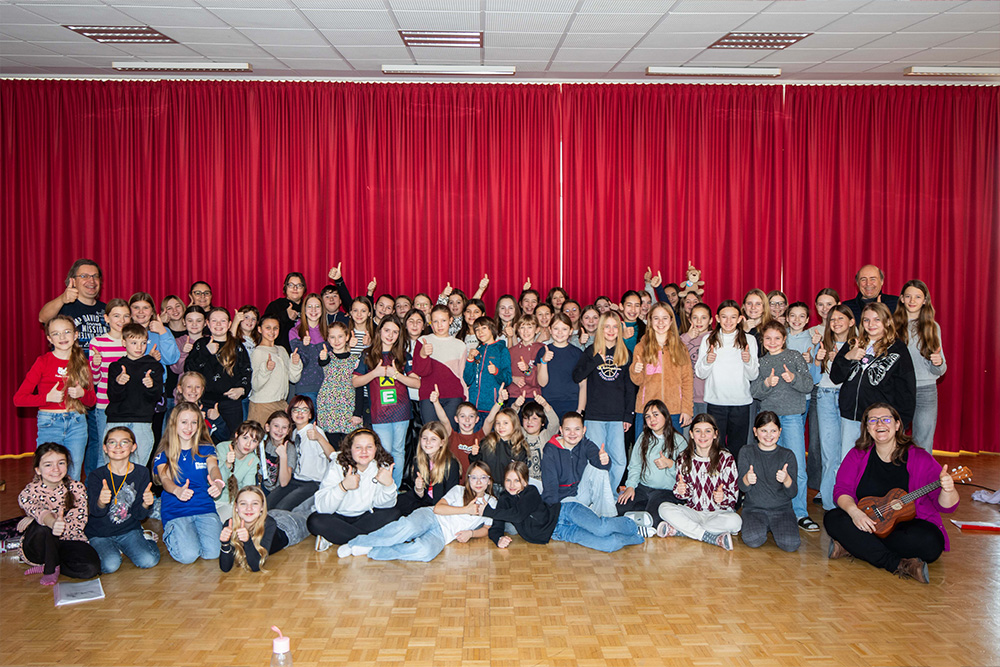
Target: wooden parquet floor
x,y
668,602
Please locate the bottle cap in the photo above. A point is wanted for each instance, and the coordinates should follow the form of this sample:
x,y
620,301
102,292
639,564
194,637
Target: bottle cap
x,y
282,644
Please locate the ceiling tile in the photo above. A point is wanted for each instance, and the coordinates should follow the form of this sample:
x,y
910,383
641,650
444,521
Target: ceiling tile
x,y
612,23
40,33
662,56
362,37
605,40
10,15
168,17
160,51
240,4
946,56
673,40
592,55
288,51
81,14
728,57
988,60
493,54
720,6
349,20
341,4
60,62
25,49
717,23
844,68
566,6
435,5
977,7
522,39
262,18
206,36
770,22
374,52
596,68
222,51
291,37
923,40
85,47
875,22
624,6
517,22
827,6
867,55
528,65
438,20
446,54
317,64
803,55
986,40
897,7
956,23
826,40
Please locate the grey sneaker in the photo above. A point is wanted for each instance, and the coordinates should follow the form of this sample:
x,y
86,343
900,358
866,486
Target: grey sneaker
x,y
642,519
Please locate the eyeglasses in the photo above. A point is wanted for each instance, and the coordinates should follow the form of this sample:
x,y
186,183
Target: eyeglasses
x,y
120,444
479,478
301,409
202,293
776,303
295,286
88,276
872,421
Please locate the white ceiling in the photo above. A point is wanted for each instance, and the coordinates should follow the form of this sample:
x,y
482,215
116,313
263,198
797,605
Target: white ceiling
x,y
551,40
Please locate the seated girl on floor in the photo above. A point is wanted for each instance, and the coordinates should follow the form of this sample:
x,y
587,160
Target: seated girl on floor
x,y
434,471
253,533
424,534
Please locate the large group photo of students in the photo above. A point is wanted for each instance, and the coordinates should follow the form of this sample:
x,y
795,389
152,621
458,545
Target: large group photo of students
x,y
388,426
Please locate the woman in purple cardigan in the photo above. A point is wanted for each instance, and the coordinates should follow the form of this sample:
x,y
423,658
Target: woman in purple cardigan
x,y
892,463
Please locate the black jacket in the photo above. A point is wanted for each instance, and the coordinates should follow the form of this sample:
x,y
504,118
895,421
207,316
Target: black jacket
x,y
535,521
134,401
888,378
858,303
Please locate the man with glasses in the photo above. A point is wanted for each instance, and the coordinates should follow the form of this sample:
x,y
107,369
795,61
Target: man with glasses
x,y
79,301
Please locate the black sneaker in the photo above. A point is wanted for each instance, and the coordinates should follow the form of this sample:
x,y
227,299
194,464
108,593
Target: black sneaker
x,y
818,499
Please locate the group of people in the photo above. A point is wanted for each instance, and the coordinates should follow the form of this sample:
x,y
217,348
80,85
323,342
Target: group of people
x,y
391,426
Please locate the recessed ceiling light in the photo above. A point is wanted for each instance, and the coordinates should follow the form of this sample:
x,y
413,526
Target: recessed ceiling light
x,y
469,70
140,66
714,71
454,38
758,40
952,71
121,34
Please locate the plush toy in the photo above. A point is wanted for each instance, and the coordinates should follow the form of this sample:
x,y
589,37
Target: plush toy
x,y
692,283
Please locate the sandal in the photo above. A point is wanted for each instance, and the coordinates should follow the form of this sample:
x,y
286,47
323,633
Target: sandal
x,y
808,525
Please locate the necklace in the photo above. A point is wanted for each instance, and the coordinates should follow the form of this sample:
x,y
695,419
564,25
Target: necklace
x,y
115,491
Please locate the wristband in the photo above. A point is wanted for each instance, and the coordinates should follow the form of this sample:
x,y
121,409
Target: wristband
x,y
341,485
226,548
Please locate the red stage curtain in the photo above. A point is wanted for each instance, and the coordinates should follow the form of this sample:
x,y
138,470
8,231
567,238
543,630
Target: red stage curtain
x,y
906,177
660,175
239,183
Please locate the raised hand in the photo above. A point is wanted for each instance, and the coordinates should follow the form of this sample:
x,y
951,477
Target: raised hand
x,y
751,477
384,475
807,355
782,474
72,293
227,532
188,346
56,394
639,366
418,484
662,461
502,395
527,284
521,366
372,285
584,337
213,412
231,456
817,336
213,347
352,479
270,363
855,353
153,352
184,493
474,450
745,355
492,369
353,340
435,395
59,526
937,358
335,273
295,358
292,313
147,379
147,496
281,450
519,401
604,457
787,376
771,380
215,486
104,499
307,340
427,349
547,357
541,400
323,354
312,433
242,534
96,358
719,495
123,377
711,355
680,487
446,292
156,326
656,280
947,483
629,332
485,282
821,354
646,277
367,340
504,541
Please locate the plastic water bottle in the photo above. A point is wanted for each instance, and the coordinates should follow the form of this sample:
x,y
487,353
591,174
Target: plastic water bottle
x,y
282,655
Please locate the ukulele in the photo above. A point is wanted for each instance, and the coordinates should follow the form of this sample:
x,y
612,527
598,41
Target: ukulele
x,y
897,505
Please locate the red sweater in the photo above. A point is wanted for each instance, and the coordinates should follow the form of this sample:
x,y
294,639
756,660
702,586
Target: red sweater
x,y
48,371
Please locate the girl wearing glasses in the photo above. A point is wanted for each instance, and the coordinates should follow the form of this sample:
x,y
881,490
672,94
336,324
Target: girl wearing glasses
x,y
884,459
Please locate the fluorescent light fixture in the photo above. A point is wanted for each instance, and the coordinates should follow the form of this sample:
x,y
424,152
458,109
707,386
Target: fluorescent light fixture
x,y
141,66
714,71
952,71
121,34
461,70
758,40
451,38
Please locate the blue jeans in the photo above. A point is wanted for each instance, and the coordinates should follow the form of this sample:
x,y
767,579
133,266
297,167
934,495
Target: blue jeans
x,y
189,537
612,436
925,416
579,525
449,405
414,537
142,552
393,437
68,429
94,436
828,415
850,431
793,437
144,438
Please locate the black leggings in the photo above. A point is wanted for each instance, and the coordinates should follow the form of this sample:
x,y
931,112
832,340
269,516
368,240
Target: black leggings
x,y
734,425
911,539
291,495
75,559
648,500
340,529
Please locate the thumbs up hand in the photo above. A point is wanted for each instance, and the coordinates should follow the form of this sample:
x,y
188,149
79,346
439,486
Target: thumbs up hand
x,y
719,495
427,349
474,450
680,487
147,380
604,456
492,369
745,355
307,340
335,272
59,526
72,293
446,292
549,354
270,363
711,355
352,479
751,477
231,455
215,486
656,280
213,412
639,366
527,284
646,277
936,357
213,347
485,282
56,394
855,352
293,314
787,376
323,354
817,336
295,359
75,392
435,395
782,474
188,346
227,532
502,395
123,377
384,475
372,285
662,461
147,496
242,534
104,499
771,380
153,352
821,354
184,493
521,366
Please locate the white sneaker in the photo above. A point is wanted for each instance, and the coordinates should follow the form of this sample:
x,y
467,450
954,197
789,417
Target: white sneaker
x,y
322,544
642,519
360,551
344,551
